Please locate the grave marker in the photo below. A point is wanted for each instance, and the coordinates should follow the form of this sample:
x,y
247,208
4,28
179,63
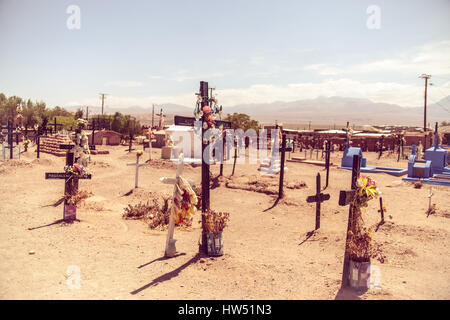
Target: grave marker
x,y
381,210
137,164
327,161
170,241
10,141
203,100
283,156
70,186
318,198
346,198
55,126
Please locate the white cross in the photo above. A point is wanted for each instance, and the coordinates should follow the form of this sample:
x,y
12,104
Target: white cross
x,y
170,242
137,164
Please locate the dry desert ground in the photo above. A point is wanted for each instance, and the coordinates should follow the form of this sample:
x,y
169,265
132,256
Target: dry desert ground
x,y
267,254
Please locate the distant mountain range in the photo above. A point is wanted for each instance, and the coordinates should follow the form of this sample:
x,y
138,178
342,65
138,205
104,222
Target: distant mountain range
x,y
320,111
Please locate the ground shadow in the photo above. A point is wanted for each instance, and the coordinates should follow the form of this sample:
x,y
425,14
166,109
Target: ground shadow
x,y
379,225
348,293
57,203
274,205
308,235
60,221
169,275
129,193
161,259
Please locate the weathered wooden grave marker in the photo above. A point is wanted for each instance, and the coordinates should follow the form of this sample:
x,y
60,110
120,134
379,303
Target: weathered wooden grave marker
x,y
346,198
10,141
318,198
71,183
283,150
137,164
171,249
381,211
55,126
327,161
40,133
189,121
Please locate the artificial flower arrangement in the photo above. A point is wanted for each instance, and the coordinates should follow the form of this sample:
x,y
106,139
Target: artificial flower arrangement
x,y
207,113
26,143
76,169
184,202
361,247
139,153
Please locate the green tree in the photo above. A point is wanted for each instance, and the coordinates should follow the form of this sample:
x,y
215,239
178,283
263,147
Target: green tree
x,y
242,121
30,117
78,114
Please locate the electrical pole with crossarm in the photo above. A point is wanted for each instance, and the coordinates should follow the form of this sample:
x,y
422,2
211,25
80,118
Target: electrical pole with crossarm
x,y
103,100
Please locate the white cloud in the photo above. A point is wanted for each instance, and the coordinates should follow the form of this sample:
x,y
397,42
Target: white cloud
x,y
431,58
407,95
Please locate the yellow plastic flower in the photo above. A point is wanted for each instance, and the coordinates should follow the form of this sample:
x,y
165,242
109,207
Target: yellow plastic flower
x,y
139,152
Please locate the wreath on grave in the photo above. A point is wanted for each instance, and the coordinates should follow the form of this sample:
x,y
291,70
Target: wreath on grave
x,y
361,246
185,201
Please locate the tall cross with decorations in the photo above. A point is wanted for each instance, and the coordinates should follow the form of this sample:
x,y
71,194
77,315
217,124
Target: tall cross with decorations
x,y
346,198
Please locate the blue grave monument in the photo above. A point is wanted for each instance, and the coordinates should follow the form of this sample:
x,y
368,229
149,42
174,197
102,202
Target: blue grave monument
x,y
347,162
434,169
438,156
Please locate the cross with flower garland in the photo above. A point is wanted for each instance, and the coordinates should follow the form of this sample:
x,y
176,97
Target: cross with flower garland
x,y
346,198
171,250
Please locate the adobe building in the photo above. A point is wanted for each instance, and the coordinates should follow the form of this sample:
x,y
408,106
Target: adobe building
x,y
105,137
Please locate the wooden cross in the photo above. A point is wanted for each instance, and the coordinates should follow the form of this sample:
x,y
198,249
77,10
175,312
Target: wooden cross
x,y
170,241
346,198
327,161
381,210
38,140
55,125
137,164
189,121
71,184
283,150
10,129
318,198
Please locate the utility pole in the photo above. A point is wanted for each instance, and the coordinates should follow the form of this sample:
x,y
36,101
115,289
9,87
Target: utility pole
x,y
426,77
103,100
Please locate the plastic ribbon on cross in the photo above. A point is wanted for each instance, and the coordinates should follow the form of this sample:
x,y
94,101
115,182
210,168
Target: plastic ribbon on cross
x,y
184,202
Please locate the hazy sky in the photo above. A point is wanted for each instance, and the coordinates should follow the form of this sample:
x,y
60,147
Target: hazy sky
x,y
144,52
